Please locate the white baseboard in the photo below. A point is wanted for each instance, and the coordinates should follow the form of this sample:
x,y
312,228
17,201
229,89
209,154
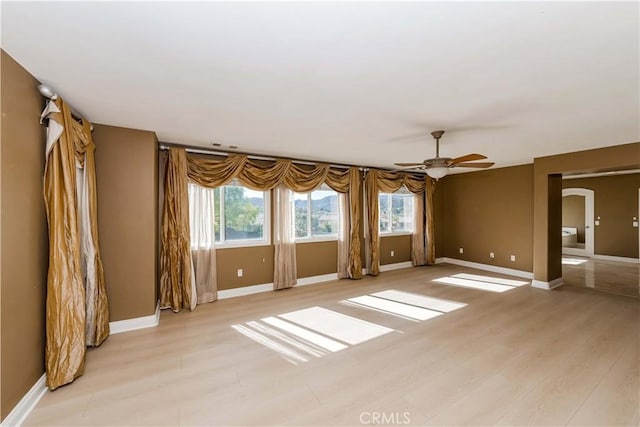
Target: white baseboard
x,y
18,414
575,252
266,287
396,266
617,258
317,279
487,267
547,285
127,325
245,290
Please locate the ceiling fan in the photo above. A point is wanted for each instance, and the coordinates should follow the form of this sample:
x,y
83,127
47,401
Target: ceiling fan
x,y
438,167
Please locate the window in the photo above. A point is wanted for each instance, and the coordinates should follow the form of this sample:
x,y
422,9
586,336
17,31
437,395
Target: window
x,y
396,212
316,214
241,215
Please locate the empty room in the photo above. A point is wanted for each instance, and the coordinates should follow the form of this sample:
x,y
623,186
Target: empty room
x,y
319,213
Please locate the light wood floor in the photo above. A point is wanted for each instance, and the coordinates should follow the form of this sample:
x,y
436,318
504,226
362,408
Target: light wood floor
x,y
521,357
603,275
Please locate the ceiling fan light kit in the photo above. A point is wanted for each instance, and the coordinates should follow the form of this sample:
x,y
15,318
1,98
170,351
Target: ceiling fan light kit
x,y
438,172
438,167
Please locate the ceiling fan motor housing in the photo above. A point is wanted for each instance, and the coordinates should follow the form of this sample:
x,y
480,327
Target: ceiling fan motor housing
x,y
438,162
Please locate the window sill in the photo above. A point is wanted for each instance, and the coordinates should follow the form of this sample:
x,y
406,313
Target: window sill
x,y
397,233
317,239
242,244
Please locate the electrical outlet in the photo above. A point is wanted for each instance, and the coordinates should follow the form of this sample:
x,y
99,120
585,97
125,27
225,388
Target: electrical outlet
x,y
492,255
461,250
512,258
393,253
240,272
597,222
635,223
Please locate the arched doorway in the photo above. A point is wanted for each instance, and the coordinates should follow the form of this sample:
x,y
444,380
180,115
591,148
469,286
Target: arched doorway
x,y
577,221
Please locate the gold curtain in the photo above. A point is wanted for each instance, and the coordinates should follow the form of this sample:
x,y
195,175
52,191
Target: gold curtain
x,y
301,179
175,275
418,236
75,316
97,305
175,254
430,236
377,181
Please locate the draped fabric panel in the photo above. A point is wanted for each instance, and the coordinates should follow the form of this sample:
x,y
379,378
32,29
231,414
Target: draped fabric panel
x,y
344,234
176,279
203,237
430,236
377,181
77,312
257,175
65,306
418,235
355,185
284,270
372,241
96,303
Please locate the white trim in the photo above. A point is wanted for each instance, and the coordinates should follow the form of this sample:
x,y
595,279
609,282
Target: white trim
x,y
617,258
266,287
127,325
245,290
593,175
589,223
487,267
575,252
316,239
396,266
395,233
312,280
547,285
22,410
245,243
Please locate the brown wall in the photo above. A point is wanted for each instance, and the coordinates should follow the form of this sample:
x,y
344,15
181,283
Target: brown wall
x,y
24,244
127,180
573,214
400,245
255,261
547,217
316,258
486,211
616,203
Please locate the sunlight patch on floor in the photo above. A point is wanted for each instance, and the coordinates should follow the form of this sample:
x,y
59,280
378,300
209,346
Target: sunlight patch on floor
x,y
405,305
302,335
484,283
399,309
424,301
336,325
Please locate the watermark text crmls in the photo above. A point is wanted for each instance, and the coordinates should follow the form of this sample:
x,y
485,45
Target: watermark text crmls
x,y
385,418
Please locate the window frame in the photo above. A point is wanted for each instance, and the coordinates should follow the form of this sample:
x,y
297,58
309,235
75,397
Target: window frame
x,y
394,233
243,243
310,238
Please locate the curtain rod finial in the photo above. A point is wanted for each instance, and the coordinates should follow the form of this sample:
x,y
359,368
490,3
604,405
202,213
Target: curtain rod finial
x,y
47,92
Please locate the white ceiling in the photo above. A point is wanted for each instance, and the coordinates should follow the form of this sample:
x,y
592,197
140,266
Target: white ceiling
x,y
345,82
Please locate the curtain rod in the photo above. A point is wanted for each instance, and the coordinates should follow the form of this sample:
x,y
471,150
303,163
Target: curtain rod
x,y
202,150
47,92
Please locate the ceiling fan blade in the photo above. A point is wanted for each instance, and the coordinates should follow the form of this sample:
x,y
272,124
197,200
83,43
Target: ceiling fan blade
x,y
409,164
468,158
474,165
